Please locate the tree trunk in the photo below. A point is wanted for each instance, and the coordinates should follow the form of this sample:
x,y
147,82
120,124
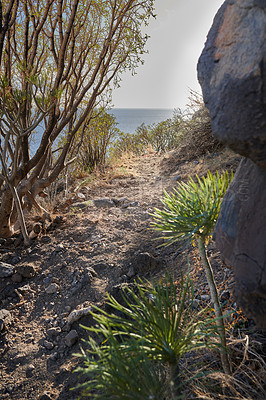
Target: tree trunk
x,y
7,204
216,304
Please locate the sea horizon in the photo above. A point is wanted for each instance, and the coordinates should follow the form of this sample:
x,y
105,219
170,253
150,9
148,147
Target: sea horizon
x,y
129,119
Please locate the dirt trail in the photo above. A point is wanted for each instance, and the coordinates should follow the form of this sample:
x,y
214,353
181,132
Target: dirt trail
x,y
103,240
96,247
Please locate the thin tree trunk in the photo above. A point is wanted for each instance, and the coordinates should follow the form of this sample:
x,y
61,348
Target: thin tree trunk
x,y
6,230
6,208
216,303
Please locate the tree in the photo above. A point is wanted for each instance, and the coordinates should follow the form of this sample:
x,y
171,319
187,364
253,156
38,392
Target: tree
x,y
60,58
92,142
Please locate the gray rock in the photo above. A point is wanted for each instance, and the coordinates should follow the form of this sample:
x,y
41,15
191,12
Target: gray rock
x,y
27,271
17,277
53,331
29,370
48,345
87,278
81,196
231,71
75,315
52,288
5,319
71,338
104,203
6,270
15,260
134,204
240,236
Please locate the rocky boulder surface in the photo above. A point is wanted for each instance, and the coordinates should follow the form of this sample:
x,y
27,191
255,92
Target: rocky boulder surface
x,y
232,73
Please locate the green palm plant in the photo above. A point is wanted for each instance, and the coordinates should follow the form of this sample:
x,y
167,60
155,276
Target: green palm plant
x,y
142,339
190,214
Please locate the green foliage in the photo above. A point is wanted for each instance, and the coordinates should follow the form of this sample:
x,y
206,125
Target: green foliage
x,y
192,209
92,142
189,213
142,342
161,137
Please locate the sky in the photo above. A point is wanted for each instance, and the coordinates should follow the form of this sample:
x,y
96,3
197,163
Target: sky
x,y
177,38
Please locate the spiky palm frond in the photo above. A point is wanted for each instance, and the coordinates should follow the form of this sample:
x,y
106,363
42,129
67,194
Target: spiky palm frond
x,y
154,329
192,209
119,374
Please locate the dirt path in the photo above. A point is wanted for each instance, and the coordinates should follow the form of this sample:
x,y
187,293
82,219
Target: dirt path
x,y
96,247
100,242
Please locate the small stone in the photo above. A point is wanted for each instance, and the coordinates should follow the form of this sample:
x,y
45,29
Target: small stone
x,y
75,315
27,271
15,259
105,203
53,331
87,278
16,277
53,288
30,370
33,235
47,280
67,309
48,345
205,297
81,196
134,204
5,319
6,270
71,338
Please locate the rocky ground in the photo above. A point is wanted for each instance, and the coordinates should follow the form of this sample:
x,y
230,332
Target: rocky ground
x,y
98,239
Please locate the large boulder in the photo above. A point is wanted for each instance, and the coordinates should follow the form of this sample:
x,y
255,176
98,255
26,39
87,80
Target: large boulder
x,y
241,236
232,73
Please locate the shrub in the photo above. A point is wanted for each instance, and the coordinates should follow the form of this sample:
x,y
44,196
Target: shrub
x,y
190,213
143,341
91,146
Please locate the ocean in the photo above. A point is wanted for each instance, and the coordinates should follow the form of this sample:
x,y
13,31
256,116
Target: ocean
x,y
129,119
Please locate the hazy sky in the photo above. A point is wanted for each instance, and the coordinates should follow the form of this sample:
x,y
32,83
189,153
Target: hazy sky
x,y
177,38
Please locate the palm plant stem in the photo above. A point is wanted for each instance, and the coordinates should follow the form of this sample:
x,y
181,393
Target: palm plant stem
x,y
175,380
216,304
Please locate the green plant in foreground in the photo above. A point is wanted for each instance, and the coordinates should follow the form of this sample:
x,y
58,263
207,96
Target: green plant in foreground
x,y
143,341
189,214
